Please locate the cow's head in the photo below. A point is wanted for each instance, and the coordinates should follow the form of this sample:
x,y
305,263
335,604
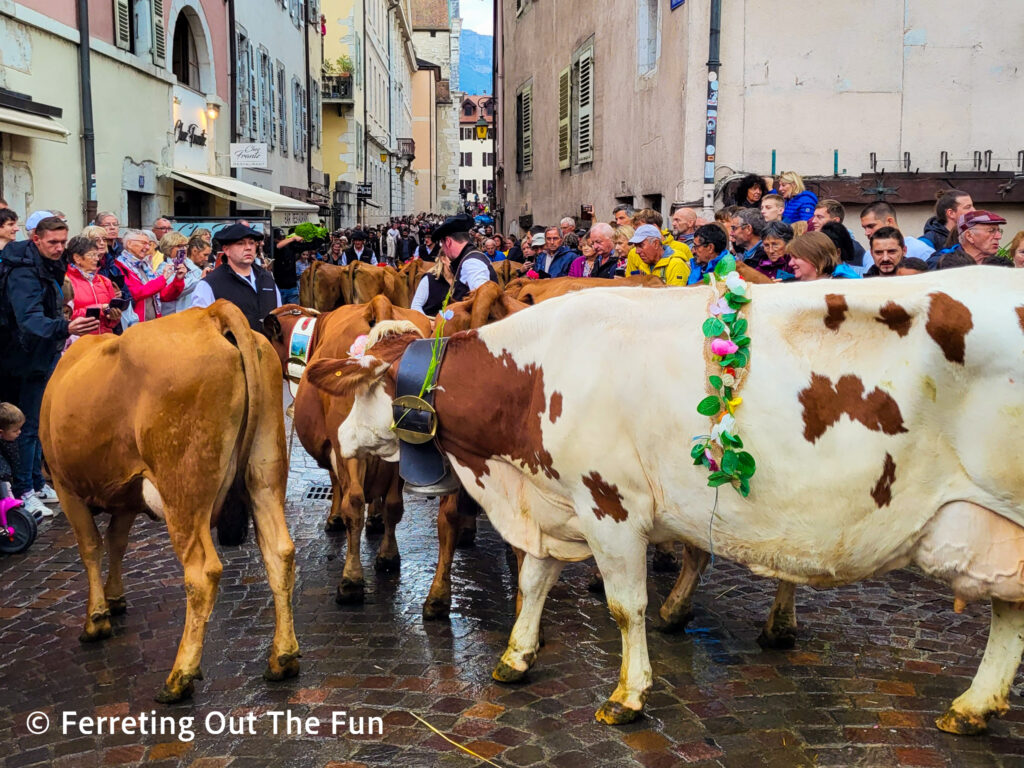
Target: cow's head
x,y
370,382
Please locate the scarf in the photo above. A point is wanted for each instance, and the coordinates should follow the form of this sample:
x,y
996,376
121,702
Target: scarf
x,y
90,276
143,270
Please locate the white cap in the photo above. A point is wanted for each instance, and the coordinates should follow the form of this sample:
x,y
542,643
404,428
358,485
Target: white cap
x,y
33,220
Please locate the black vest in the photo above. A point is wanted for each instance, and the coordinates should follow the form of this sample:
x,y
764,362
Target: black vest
x,y
255,305
437,290
462,290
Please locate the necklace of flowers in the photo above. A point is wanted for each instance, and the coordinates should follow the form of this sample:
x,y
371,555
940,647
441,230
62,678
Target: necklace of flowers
x,y
729,346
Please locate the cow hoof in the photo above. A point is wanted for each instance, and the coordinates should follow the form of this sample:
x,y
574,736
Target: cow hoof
x,y
673,626
96,628
374,525
596,584
665,562
962,724
350,592
118,605
287,666
94,635
388,564
334,525
467,538
613,713
782,640
436,609
168,696
504,673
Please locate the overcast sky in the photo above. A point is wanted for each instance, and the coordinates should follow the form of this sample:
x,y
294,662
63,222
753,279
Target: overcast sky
x,y
477,15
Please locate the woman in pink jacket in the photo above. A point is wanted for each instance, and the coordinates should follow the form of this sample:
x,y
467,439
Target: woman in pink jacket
x,y
90,287
148,289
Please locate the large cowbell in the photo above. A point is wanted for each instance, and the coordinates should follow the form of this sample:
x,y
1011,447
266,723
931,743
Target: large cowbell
x,y
421,464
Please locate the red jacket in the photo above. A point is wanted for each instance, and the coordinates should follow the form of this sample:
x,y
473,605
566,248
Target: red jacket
x,y
92,293
141,291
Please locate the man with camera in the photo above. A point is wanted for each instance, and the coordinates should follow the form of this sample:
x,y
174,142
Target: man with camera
x,y
248,286
33,331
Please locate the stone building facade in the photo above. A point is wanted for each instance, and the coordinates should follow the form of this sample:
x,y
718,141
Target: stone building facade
x,y
898,104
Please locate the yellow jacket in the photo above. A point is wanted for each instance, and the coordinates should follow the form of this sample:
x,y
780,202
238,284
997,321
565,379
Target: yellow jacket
x,y
637,266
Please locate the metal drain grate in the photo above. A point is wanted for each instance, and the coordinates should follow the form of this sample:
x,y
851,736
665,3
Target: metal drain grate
x,y
319,493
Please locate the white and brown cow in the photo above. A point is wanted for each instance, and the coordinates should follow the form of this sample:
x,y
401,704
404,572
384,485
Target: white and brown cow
x,y
882,413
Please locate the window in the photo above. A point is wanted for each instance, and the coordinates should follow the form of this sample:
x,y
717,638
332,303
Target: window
x,y
266,77
564,118
252,64
583,104
467,134
466,159
524,129
184,60
160,36
282,108
648,39
468,109
242,83
317,115
359,146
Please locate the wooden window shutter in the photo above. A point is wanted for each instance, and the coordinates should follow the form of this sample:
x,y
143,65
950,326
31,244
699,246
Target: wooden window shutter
x,y
296,120
160,34
254,93
528,128
564,114
585,126
274,114
242,85
305,122
122,24
282,107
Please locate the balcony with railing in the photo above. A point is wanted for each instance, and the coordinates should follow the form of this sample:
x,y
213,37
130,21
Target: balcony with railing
x,y
406,149
337,89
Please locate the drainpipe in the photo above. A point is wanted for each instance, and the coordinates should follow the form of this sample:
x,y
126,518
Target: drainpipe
x,y
360,202
85,90
391,122
498,222
309,103
233,69
711,135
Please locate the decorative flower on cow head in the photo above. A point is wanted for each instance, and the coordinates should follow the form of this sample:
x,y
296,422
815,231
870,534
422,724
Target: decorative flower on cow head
x,y
358,348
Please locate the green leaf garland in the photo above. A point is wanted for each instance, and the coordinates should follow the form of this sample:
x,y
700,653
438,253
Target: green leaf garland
x,y
734,466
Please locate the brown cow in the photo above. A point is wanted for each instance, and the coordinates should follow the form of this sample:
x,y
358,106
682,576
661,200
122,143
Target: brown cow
x,y
412,272
326,286
193,444
535,291
317,417
507,271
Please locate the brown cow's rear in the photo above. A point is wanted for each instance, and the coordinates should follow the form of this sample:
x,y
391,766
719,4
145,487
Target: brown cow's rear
x,y
126,433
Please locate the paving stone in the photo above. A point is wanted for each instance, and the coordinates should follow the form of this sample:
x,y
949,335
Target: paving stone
x,y
875,663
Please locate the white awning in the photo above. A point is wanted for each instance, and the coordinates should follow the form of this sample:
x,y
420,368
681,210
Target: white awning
x,y
34,126
241,192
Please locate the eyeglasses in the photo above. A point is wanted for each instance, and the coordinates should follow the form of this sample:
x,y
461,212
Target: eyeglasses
x,y
698,245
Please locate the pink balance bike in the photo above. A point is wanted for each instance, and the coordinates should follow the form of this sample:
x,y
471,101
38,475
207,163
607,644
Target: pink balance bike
x,y
17,527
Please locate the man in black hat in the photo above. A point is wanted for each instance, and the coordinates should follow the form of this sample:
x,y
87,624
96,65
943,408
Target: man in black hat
x,y
360,251
469,267
245,284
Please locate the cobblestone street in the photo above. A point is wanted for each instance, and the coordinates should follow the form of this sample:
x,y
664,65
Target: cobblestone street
x,y
875,663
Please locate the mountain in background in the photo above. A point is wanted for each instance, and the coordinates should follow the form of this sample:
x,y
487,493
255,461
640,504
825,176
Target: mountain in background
x,y
475,63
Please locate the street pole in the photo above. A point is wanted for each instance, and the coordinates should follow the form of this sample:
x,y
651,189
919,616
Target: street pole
x,y
85,92
711,113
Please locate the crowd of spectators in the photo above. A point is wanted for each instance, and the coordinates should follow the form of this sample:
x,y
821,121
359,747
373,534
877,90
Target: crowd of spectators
x,y
55,288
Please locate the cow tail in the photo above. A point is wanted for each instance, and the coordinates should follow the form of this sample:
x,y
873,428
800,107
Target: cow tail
x,y
233,521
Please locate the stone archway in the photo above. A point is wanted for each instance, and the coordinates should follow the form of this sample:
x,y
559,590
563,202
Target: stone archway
x,y
191,12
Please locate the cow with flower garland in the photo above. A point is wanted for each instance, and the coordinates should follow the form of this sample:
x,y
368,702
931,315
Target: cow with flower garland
x,y
880,414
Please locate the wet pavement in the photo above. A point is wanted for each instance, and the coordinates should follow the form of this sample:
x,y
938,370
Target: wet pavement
x,y
875,663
